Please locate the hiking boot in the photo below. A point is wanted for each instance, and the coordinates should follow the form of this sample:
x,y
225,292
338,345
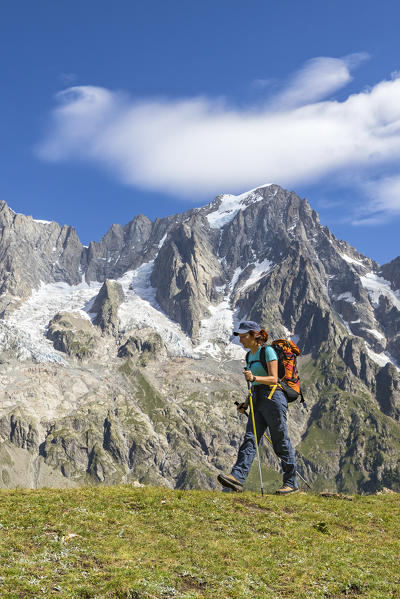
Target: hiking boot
x,y
227,480
286,490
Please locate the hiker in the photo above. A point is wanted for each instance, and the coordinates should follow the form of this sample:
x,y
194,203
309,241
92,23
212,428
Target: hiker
x,y
268,412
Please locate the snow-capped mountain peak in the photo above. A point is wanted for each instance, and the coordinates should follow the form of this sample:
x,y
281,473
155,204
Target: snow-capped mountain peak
x,y
229,205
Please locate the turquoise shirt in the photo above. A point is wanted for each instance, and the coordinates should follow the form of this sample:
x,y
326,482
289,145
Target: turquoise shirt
x,y
256,367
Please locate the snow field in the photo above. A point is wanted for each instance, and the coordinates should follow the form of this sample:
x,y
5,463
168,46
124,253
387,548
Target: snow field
x,y
377,286
231,205
347,297
140,309
351,260
26,326
216,333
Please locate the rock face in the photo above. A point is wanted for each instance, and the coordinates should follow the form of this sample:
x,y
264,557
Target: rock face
x,y
391,272
185,274
144,346
126,370
106,305
73,335
125,248
32,252
116,424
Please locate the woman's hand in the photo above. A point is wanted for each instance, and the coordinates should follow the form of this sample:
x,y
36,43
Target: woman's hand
x,y
242,407
248,375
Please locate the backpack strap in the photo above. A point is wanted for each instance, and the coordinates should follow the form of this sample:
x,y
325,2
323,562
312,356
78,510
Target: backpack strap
x,y
263,361
263,358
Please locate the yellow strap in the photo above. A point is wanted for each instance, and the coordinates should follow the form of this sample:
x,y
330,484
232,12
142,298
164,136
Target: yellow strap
x,y
272,391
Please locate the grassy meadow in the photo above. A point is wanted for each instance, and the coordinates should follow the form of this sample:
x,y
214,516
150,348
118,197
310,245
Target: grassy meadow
x,y
146,543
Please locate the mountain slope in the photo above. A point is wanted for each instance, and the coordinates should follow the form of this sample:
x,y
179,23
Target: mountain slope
x,y
140,325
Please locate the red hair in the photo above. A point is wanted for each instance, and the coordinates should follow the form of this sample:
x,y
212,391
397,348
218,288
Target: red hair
x,y
260,336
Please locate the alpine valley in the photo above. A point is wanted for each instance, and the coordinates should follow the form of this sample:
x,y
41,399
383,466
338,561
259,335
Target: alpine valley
x,y
118,365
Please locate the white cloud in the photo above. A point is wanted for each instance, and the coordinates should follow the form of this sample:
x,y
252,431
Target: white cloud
x,y
384,199
203,145
387,193
318,78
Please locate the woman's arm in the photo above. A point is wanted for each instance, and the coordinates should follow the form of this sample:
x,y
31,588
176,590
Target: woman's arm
x,y
272,377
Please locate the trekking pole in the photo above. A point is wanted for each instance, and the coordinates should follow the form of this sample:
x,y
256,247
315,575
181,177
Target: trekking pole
x,y
255,435
270,442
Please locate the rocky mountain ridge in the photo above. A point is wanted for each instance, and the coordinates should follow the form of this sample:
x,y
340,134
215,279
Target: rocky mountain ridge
x,y
151,308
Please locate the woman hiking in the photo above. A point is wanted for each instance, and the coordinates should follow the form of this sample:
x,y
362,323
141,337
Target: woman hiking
x,y
271,413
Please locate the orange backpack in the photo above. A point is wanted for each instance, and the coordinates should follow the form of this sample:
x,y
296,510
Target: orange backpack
x,y
288,375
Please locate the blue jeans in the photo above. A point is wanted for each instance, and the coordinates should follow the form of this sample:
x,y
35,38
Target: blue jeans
x,y
271,414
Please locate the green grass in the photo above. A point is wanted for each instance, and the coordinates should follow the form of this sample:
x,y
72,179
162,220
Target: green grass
x,y
155,543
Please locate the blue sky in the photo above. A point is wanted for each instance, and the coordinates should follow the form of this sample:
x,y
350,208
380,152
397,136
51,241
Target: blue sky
x,y
109,109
